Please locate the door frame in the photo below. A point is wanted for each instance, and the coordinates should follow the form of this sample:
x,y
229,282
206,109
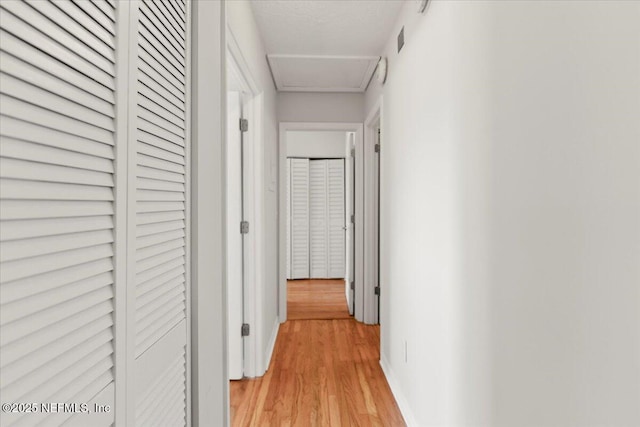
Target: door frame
x,y
372,123
253,207
356,128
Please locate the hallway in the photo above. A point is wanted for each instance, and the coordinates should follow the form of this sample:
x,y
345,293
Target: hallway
x,y
323,372
316,299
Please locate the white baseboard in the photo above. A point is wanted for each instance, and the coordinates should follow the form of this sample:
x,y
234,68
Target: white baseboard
x,y
401,400
272,344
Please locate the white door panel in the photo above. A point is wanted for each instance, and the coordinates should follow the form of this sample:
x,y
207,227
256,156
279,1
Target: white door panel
x,y
336,219
299,218
160,206
234,238
318,220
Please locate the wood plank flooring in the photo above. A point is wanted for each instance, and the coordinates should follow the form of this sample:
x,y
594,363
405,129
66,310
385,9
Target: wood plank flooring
x,y
316,299
322,373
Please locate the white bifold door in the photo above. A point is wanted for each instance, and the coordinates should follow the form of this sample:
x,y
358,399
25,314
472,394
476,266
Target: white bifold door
x,y
94,156
299,214
317,198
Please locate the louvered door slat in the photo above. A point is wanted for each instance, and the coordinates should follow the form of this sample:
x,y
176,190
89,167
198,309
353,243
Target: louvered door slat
x,y
150,19
52,225
90,8
38,284
43,300
28,54
168,274
25,131
102,73
35,76
40,358
16,149
12,250
57,138
169,20
28,112
18,350
87,22
154,106
152,149
32,209
76,29
60,35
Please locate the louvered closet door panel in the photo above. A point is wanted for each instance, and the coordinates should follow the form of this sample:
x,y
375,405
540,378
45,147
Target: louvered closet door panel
x,y
336,218
57,110
160,203
299,218
318,218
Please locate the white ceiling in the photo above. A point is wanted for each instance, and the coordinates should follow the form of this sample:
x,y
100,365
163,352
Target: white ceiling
x,y
320,32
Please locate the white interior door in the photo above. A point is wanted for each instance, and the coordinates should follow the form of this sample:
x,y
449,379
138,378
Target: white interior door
x,y
288,219
336,227
376,229
234,238
159,200
58,211
299,218
318,219
349,214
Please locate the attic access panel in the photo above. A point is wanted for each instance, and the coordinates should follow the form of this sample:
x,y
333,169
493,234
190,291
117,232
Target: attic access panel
x,y
307,73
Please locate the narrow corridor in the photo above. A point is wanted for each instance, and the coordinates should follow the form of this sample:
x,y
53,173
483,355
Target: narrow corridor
x,y
323,373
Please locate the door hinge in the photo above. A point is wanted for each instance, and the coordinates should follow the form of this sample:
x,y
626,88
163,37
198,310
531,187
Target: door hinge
x,y
244,125
353,285
245,330
376,290
377,148
353,152
353,219
244,227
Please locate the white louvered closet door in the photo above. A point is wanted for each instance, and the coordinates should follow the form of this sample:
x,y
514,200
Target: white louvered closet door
x,y
299,218
318,219
160,215
336,230
57,126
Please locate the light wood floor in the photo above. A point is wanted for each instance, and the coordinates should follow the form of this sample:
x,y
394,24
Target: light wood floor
x,y
316,299
322,373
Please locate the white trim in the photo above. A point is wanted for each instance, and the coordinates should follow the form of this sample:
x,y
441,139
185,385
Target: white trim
x,y
401,400
187,220
272,344
253,200
210,382
374,119
132,155
366,77
123,41
357,128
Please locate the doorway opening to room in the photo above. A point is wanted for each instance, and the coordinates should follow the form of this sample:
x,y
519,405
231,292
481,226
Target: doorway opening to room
x,y
244,213
320,226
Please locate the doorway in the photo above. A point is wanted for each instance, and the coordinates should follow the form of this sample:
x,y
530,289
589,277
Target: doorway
x,y
319,236
373,214
244,213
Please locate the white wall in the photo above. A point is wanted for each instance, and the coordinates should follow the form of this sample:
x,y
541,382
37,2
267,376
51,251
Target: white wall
x,y
241,21
510,259
316,144
320,107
